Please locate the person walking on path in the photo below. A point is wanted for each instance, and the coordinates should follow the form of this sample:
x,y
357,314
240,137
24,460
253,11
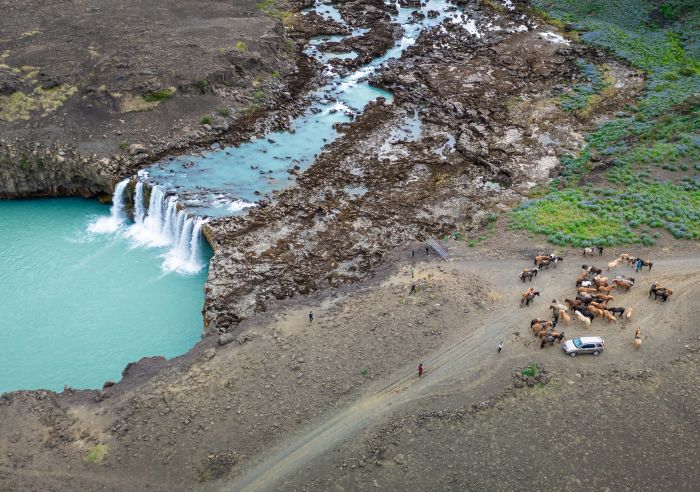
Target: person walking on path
x,y
420,370
413,253
413,289
500,346
427,251
639,264
311,317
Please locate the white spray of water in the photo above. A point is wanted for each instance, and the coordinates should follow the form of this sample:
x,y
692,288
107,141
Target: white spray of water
x,y
117,215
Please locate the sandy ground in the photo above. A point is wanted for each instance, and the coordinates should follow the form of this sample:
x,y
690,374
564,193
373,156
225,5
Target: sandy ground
x,y
318,405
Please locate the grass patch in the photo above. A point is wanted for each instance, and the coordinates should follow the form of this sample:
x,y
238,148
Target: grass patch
x,y
660,131
96,454
241,46
276,9
159,94
225,112
206,120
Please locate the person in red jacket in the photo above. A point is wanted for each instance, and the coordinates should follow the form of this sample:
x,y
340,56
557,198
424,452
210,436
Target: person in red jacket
x,y
420,370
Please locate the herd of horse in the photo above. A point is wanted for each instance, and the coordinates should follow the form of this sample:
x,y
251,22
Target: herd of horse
x,y
593,296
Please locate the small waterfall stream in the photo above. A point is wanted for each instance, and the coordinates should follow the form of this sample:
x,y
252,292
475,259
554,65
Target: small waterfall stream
x,y
117,214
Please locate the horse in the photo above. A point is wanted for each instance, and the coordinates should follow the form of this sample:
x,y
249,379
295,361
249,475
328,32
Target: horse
x,y
606,288
593,270
595,311
586,312
637,339
600,281
528,274
529,298
609,316
606,298
584,297
559,305
614,263
582,319
557,336
587,290
626,278
583,283
628,313
663,293
565,316
617,310
647,263
622,284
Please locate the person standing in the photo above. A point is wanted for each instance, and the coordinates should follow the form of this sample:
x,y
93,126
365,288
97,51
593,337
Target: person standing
x,y
413,289
413,253
427,251
311,317
639,264
420,370
500,346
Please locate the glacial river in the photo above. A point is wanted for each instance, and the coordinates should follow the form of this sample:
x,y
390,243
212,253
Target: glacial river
x,y
84,290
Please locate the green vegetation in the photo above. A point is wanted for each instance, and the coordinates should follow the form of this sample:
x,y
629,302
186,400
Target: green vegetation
x,y
531,371
258,97
20,105
364,371
241,46
96,454
225,112
202,85
616,183
276,9
159,94
206,120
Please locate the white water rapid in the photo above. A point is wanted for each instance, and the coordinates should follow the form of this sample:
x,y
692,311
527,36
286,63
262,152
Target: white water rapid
x,y
162,225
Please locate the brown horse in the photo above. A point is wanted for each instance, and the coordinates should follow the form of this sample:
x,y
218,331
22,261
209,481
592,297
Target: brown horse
x,y
622,284
637,339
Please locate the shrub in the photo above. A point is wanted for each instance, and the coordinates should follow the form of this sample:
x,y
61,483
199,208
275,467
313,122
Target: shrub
x,y
206,120
202,85
225,112
531,371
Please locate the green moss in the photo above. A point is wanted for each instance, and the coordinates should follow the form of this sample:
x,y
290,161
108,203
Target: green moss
x,y
20,105
241,46
96,454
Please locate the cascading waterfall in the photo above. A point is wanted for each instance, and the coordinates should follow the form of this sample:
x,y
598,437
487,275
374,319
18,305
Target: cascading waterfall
x,y
139,209
117,213
161,225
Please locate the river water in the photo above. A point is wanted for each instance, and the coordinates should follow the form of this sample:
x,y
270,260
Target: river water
x,y
78,306
85,289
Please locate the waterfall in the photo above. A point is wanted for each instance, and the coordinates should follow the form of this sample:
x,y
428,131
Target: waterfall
x,y
139,210
117,214
162,225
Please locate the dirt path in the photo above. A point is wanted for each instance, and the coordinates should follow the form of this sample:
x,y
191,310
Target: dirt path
x,y
448,366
